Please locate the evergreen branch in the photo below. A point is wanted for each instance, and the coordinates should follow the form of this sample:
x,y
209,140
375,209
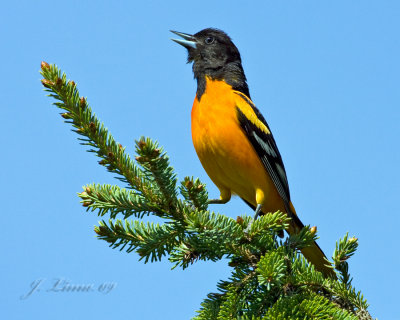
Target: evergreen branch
x,y
274,222
346,296
219,235
230,305
301,280
345,248
225,236
95,134
303,239
363,314
305,275
272,268
208,236
306,307
209,307
318,307
201,221
155,164
195,193
115,200
338,292
151,241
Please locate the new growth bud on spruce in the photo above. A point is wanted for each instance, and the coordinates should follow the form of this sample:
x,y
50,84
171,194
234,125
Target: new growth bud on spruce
x,y
83,195
141,144
44,65
189,184
313,230
82,102
239,220
47,83
156,153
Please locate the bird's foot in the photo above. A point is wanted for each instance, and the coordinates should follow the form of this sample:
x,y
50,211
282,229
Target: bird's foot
x,y
256,213
217,201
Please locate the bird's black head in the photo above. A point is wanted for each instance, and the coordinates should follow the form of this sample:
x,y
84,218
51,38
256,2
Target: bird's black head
x,y
214,55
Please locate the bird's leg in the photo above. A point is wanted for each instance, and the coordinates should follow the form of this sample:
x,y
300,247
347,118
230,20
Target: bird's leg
x,y
256,213
225,196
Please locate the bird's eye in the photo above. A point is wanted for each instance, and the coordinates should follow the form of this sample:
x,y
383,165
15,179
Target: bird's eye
x,y
209,40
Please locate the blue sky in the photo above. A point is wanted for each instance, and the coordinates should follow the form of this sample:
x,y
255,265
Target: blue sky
x,y
325,76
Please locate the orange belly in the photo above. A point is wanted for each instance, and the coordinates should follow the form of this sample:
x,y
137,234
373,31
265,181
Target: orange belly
x,y
225,152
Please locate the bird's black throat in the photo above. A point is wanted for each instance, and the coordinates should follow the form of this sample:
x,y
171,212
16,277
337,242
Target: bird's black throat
x,y
232,73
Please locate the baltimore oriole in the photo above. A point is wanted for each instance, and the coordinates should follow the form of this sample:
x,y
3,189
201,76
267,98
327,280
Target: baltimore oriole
x,y
232,139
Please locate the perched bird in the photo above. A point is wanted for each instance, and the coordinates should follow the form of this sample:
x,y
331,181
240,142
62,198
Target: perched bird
x,y
232,139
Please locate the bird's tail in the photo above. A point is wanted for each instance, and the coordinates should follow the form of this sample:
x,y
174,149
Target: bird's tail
x,y
313,253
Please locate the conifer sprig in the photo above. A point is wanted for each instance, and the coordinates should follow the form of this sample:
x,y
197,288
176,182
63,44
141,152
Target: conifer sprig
x,y
270,279
151,241
157,169
194,192
115,200
94,133
345,248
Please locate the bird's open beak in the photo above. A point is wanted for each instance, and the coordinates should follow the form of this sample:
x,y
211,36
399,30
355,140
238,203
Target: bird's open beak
x,y
188,40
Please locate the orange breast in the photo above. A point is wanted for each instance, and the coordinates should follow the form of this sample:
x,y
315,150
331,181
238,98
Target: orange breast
x,y
224,150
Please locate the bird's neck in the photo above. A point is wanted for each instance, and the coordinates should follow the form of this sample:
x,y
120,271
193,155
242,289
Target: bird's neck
x,y
232,73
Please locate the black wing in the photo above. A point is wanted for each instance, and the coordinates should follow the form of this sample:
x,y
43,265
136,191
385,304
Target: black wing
x,y
265,146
